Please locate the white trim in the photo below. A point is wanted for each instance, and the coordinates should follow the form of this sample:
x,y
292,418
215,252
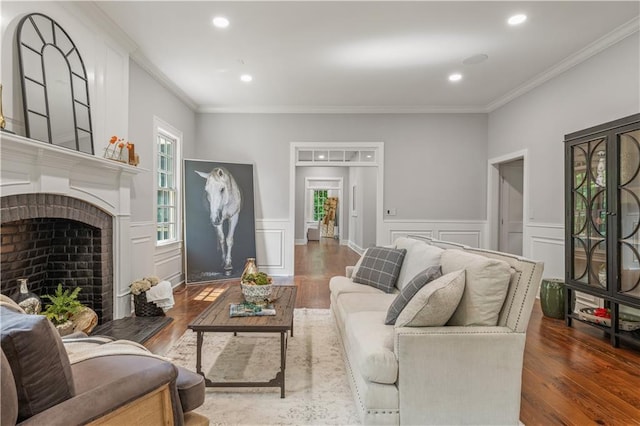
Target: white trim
x,y
309,220
101,19
546,225
493,197
162,127
286,109
378,147
355,248
391,221
604,42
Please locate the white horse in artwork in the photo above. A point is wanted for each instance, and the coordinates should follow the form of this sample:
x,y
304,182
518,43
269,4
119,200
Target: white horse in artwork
x,y
225,202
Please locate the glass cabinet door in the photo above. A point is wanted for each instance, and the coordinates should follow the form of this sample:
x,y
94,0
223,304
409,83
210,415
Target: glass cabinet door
x,y
589,213
628,190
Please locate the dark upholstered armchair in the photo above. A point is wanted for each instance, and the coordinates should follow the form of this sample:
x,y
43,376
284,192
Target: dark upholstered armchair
x,y
41,387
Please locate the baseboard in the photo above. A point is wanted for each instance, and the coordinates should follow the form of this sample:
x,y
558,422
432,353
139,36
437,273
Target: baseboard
x,y
355,247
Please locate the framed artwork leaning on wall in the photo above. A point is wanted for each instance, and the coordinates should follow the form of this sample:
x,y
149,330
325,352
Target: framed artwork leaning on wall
x,y
219,219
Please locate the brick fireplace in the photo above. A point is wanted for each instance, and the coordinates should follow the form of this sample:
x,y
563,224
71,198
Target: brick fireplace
x,y
65,218
54,239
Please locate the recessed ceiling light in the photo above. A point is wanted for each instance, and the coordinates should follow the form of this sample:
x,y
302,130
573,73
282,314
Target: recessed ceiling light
x,y
220,22
246,78
517,19
455,77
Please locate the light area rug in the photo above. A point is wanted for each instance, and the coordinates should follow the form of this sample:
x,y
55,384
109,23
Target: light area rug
x,y
317,390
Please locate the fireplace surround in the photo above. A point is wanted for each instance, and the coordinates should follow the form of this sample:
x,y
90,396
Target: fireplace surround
x,y
53,239
83,203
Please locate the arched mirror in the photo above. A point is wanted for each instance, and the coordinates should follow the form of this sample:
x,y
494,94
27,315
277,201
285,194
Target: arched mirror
x,y
55,89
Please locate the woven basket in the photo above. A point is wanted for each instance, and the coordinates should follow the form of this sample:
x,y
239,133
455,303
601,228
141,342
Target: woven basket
x,y
144,308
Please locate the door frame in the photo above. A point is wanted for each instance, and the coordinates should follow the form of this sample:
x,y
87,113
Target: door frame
x,y
493,198
340,189
378,147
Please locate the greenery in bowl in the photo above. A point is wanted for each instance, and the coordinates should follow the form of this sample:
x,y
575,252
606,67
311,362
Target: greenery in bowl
x,y
259,278
63,305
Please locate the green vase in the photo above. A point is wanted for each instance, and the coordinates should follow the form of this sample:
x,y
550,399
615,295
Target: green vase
x,y
552,297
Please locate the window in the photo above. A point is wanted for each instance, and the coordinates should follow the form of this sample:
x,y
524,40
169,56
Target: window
x,y
167,186
319,197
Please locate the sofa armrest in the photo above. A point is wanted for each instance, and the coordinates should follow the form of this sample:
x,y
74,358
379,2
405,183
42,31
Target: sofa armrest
x,y
106,398
348,271
459,375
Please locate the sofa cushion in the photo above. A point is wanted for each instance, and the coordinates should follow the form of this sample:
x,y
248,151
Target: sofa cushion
x,y
419,257
380,268
408,291
339,285
349,303
38,361
433,304
486,285
370,344
9,400
191,389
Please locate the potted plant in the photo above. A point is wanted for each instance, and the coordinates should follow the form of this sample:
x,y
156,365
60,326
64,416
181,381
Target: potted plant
x,y
62,307
256,287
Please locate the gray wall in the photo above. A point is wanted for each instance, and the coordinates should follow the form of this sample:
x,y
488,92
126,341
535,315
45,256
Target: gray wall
x,y
603,88
362,230
148,98
343,202
432,161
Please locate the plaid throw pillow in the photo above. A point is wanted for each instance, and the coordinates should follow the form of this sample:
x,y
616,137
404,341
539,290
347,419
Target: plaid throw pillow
x,y
408,291
380,268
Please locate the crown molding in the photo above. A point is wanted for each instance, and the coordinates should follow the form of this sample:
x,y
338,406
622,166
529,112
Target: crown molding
x,y
342,110
604,42
91,10
101,19
161,78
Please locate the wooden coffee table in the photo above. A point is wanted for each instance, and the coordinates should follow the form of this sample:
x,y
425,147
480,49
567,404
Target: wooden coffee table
x,y
216,319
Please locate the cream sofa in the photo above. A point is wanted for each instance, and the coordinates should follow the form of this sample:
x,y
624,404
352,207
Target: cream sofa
x,y
443,375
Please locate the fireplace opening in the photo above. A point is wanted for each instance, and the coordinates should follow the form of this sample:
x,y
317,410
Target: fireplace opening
x,y
53,239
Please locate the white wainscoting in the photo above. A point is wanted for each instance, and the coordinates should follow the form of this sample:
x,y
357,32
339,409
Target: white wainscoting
x,y
273,252
545,242
471,233
163,261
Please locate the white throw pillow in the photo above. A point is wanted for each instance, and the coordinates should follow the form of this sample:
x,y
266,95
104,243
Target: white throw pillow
x,y
487,282
420,256
433,304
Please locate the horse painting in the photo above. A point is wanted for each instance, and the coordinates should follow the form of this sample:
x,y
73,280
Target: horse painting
x,y
224,203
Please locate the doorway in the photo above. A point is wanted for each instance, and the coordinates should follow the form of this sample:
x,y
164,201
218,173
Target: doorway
x,y
346,156
510,219
508,203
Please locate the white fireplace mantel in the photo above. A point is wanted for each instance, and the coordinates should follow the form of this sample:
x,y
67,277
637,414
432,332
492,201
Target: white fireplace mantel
x,y
28,166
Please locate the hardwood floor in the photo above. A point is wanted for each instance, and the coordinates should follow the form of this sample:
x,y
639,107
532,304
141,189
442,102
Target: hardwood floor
x,y
571,376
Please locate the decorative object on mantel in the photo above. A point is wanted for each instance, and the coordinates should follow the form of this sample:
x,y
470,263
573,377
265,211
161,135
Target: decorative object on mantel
x,y
116,151
27,300
3,123
151,297
55,85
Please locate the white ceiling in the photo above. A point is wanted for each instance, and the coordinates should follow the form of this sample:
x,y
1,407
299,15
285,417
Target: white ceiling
x,y
363,56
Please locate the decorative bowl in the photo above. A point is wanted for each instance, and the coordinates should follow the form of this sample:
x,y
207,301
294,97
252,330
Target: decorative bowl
x,y
257,294
626,322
